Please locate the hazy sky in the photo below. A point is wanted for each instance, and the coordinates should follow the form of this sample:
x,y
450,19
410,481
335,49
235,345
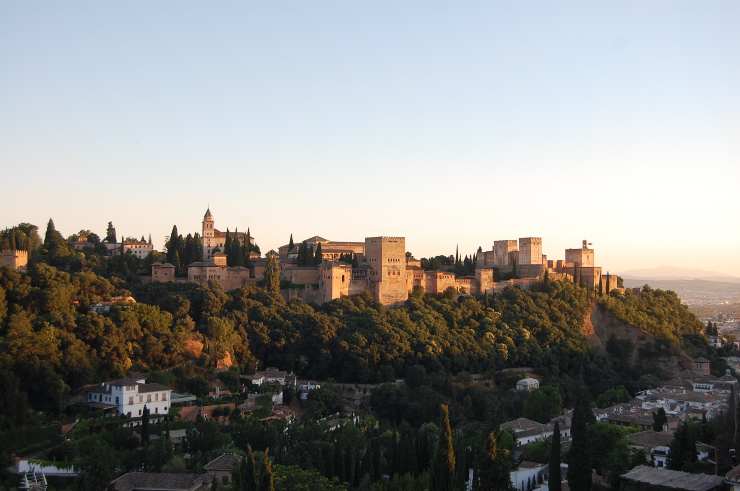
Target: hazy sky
x,y
446,122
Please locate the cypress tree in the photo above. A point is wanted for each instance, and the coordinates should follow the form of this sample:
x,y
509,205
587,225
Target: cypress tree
x,y
554,479
493,473
272,275
145,426
579,457
443,469
659,419
317,255
291,244
248,472
267,480
732,415
683,449
227,248
172,245
110,235
236,249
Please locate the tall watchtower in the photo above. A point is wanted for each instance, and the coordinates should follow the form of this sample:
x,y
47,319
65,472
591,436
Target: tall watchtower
x,y
208,234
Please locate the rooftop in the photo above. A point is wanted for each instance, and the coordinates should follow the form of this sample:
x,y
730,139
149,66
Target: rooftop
x,y
649,439
673,479
160,481
224,462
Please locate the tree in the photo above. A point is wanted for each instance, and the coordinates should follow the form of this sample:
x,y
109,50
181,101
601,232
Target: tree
x,y
555,478
110,234
267,480
579,458
659,419
145,426
443,469
683,448
272,274
291,245
493,473
317,256
543,404
247,477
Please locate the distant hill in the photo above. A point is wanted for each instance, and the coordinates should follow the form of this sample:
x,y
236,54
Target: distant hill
x,y
693,291
670,273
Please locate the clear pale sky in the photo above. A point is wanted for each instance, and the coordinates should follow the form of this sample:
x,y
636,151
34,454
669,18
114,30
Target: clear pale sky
x,y
446,122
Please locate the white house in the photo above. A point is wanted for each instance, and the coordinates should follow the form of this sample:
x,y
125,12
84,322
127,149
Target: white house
x,y
129,396
271,376
527,384
526,431
528,475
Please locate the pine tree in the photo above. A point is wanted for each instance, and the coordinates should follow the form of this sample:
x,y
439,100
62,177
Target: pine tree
x,y
443,470
579,457
554,479
267,480
493,473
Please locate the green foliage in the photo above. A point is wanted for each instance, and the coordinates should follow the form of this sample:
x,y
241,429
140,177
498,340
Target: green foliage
x,y
659,313
443,468
272,275
613,396
555,477
543,404
493,472
683,447
579,456
294,478
23,236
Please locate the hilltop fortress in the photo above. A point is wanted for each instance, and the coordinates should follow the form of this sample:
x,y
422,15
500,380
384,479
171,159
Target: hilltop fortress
x,y
382,267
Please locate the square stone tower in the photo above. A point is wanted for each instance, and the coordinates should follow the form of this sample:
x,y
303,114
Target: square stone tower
x,y
530,250
502,252
386,258
583,257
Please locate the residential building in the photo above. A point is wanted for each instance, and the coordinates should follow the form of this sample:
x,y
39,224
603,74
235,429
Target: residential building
x,y
527,384
129,397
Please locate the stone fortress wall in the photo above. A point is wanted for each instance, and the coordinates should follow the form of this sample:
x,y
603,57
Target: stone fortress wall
x,y
381,267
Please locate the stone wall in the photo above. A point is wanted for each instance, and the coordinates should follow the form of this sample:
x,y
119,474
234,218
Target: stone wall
x,y
14,259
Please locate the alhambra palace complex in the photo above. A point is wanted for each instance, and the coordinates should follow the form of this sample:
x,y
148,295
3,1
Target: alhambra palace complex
x,y
381,266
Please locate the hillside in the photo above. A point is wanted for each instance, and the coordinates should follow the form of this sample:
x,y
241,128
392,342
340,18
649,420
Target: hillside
x,y
50,337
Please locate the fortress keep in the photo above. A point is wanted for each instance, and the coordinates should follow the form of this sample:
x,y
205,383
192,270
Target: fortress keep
x,y
382,267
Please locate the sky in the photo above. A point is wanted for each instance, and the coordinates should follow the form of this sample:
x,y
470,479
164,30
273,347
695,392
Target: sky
x,y
449,123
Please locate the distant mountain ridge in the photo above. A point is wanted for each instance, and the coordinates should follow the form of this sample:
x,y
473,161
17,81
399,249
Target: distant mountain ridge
x,y
669,273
